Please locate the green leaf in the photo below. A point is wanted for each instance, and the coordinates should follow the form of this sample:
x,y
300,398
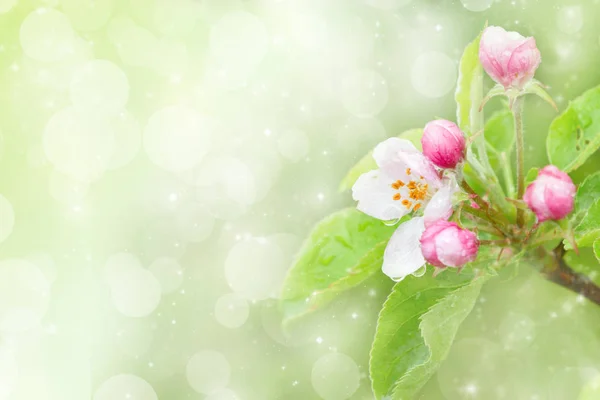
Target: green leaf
x,y
474,180
469,86
500,137
588,192
438,328
367,163
575,134
597,249
539,90
500,131
415,330
588,229
341,252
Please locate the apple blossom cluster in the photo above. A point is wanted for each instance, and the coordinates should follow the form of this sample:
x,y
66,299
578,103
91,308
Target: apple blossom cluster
x,y
428,185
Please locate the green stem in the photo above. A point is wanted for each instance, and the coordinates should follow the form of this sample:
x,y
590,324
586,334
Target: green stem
x,y
479,160
508,175
517,110
500,243
486,217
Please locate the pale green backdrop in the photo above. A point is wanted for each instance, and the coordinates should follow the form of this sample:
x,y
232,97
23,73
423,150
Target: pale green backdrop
x,y
162,160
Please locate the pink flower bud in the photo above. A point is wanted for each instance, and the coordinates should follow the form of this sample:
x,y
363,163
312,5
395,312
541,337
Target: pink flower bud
x,y
443,143
445,244
551,195
509,58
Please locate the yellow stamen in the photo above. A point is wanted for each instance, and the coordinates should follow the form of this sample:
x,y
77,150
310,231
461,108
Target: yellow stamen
x,y
418,191
417,206
398,184
396,196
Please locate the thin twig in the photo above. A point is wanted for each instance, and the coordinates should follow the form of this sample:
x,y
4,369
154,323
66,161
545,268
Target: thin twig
x,y
517,109
560,273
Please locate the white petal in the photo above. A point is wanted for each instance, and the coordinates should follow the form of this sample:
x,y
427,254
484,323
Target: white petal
x,y
403,252
396,155
420,165
374,194
387,151
440,205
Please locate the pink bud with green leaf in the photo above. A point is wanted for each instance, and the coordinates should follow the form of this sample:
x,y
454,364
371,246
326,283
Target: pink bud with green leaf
x,y
551,195
508,57
445,244
443,143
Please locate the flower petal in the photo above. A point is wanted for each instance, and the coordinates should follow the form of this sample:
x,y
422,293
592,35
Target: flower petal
x,y
440,205
374,194
396,155
403,254
387,152
455,247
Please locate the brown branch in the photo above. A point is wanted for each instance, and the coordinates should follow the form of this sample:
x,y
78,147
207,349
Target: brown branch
x,y
560,273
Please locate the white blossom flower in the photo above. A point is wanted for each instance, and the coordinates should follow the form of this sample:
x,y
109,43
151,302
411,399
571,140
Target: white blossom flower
x,y
406,182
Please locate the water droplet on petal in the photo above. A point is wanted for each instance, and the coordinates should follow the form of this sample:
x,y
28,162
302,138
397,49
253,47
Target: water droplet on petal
x,y
420,272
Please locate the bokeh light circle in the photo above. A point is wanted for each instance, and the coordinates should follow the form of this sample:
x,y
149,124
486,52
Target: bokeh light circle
x,y
194,222
125,387
356,134
517,331
135,336
477,5
169,273
335,376
387,4
223,394
208,371
136,45
24,296
7,218
176,138
100,86
232,310
88,15
433,74
117,263
47,35
293,144
364,92
239,41
226,185
570,19
6,6
67,190
9,372
255,268
78,144
128,139
136,292
176,18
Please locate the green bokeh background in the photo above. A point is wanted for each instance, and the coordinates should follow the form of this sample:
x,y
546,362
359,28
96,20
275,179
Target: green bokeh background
x,y
285,127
